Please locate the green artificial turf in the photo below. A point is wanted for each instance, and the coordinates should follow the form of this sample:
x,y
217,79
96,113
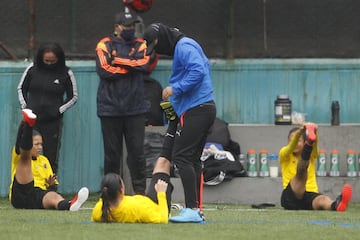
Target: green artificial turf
x,y
223,222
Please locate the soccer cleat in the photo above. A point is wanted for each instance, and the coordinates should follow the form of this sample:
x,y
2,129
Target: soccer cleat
x,y
343,199
202,215
311,132
168,109
176,206
187,215
29,116
79,199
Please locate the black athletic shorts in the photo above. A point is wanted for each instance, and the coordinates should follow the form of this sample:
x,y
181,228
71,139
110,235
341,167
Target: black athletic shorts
x,y
290,202
27,196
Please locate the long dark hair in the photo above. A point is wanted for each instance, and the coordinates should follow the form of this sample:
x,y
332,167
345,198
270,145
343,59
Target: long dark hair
x,y
294,130
111,184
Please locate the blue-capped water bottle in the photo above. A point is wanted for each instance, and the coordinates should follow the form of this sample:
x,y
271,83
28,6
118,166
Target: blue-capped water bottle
x,y
273,163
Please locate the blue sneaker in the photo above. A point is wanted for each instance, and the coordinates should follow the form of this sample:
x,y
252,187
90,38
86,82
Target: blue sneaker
x,y
187,215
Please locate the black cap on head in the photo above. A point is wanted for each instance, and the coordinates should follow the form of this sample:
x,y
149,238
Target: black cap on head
x,y
167,38
126,18
152,32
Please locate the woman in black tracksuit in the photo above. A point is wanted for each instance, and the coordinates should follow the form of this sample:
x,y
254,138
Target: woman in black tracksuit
x,y
42,88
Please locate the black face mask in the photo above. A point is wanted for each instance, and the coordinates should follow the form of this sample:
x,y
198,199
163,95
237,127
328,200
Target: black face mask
x,y
128,35
50,66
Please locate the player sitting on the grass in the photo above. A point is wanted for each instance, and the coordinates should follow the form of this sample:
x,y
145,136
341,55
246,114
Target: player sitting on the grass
x,y
297,161
28,190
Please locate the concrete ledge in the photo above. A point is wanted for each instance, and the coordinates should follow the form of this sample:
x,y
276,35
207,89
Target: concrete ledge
x,y
247,190
273,137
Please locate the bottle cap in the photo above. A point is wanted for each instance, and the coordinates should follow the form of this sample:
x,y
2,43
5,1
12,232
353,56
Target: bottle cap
x,y
251,151
263,151
334,151
322,151
350,151
283,96
335,104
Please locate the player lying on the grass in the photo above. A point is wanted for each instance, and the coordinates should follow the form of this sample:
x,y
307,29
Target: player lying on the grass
x,y
115,206
297,161
33,183
154,207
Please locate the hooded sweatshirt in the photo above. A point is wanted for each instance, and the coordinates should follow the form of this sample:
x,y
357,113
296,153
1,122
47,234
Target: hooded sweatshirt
x,y
191,77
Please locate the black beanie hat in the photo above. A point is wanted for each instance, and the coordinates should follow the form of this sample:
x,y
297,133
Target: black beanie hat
x,y
167,38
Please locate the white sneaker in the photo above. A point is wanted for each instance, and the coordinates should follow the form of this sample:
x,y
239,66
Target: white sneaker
x,y
79,199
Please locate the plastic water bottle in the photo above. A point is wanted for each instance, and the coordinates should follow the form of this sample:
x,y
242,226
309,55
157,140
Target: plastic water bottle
x,y
251,163
350,161
334,163
321,163
264,165
242,160
335,116
273,162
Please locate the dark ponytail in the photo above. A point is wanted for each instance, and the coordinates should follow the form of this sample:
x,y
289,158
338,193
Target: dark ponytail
x,y
110,187
294,130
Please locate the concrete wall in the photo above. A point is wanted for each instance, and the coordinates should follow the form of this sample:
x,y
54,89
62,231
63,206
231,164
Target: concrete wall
x,y
273,137
249,190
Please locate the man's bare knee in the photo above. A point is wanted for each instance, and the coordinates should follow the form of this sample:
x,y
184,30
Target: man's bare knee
x,y
162,165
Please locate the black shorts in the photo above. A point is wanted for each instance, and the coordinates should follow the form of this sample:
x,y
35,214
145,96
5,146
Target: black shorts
x,y
27,196
290,202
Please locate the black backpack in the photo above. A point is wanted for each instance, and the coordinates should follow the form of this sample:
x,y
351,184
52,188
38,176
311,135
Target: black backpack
x,y
153,96
225,166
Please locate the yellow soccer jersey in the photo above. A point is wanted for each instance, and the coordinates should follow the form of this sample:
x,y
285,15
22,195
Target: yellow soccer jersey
x,y
288,164
41,170
136,209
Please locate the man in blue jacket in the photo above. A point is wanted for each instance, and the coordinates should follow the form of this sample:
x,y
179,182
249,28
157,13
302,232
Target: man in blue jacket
x,y
190,94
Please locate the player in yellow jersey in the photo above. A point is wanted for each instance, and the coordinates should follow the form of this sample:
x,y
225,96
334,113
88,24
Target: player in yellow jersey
x,y
154,207
297,161
33,182
43,174
115,206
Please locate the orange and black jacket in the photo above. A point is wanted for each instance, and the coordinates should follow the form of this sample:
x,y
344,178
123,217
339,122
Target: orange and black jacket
x,y
122,67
